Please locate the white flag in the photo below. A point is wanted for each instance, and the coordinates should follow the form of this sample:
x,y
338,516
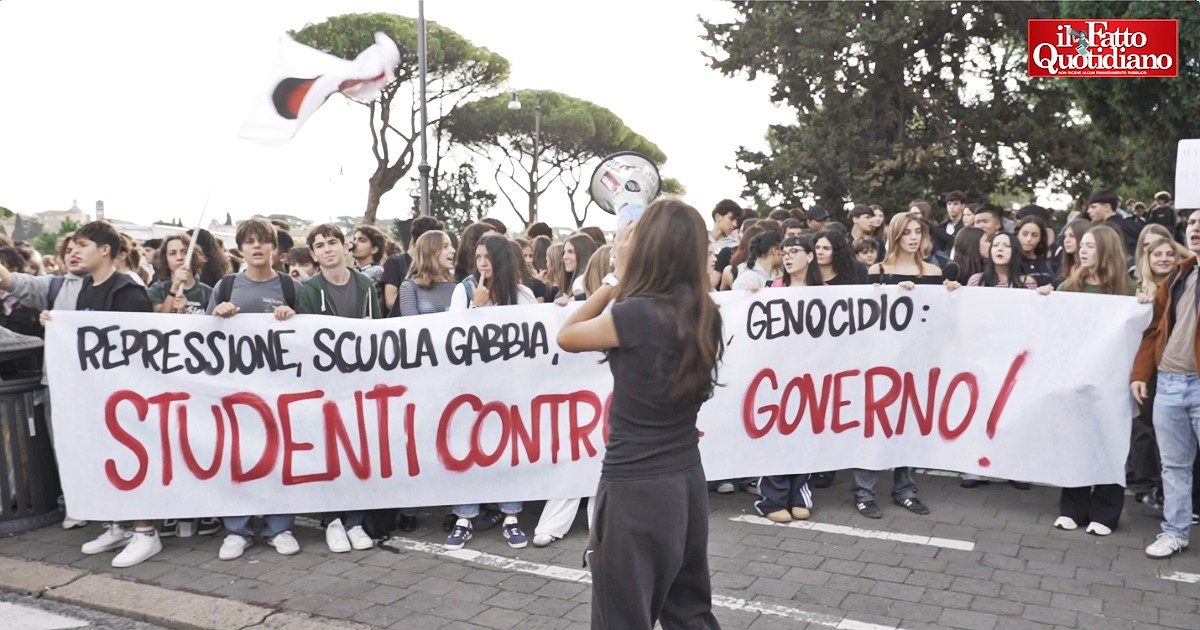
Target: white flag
x,y
304,78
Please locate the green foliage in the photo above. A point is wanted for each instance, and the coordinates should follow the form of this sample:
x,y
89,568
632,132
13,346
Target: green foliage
x,y
672,186
45,243
458,200
897,101
5,212
1140,121
573,133
456,70
68,226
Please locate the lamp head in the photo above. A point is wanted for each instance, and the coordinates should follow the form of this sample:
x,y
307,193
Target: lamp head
x,y
514,104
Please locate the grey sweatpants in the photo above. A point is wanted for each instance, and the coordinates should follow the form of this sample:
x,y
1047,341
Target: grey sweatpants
x,y
649,554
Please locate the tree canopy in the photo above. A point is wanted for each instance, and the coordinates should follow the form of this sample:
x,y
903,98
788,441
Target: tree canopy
x,y
1140,121
574,132
456,71
901,100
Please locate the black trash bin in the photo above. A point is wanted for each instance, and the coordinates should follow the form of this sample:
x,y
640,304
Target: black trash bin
x,y
29,486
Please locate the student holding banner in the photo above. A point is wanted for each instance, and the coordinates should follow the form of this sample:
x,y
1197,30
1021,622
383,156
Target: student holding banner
x,y
259,289
663,340
1101,270
105,289
497,283
339,291
904,265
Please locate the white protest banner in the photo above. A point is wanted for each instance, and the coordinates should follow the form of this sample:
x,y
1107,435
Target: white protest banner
x,y
161,416
1187,174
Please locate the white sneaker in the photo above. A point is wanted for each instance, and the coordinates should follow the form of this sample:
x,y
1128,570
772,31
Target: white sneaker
x,y
543,540
285,543
233,546
359,538
1166,545
114,537
335,537
1096,529
725,487
1065,522
142,547
72,523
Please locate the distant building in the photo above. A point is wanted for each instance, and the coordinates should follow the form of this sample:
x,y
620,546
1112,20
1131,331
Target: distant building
x,y
52,220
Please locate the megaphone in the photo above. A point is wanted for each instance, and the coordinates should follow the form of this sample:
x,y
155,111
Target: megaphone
x,y
624,184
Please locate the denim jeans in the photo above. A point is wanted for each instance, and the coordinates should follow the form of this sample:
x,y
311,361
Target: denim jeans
x,y
275,523
1176,425
472,510
904,486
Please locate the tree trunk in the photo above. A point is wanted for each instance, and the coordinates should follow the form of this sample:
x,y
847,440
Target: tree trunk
x,y
374,194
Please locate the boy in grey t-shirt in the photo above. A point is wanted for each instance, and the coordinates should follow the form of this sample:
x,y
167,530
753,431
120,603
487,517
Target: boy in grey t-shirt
x,y
257,290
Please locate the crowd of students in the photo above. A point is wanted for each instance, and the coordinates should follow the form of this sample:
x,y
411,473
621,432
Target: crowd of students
x,y
1102,249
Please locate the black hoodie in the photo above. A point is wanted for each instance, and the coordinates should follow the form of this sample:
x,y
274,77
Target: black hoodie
x,y
119,293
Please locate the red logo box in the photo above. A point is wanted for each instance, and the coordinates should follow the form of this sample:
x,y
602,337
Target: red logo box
x,y
1103,48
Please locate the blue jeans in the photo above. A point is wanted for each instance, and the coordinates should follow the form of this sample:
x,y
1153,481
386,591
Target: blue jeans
x,y
472,510
1176,425
904,486
275,523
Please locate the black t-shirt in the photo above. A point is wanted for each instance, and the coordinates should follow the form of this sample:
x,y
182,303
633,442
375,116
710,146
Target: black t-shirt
x,y
119,293
395,269
723,258
540,289
1040,270
648,437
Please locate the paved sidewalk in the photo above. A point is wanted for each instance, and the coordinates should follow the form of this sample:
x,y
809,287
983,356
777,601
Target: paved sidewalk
x,y
985,558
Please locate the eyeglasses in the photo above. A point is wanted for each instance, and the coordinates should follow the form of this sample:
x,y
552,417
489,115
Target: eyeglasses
x,y
794,251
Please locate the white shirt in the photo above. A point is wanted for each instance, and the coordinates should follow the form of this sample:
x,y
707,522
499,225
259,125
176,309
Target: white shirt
x,y
459,301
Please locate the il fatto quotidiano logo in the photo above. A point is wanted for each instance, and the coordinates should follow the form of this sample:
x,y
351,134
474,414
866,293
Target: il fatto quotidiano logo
x,y
1103,48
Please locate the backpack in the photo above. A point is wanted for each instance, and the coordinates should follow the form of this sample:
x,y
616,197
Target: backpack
x,y
224,288
56,285
469,286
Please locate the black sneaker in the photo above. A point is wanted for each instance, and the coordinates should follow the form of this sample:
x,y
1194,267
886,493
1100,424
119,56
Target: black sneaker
x,y
822,479
869,509
489,519
408,522
974,483
914,505
1020,485
209,526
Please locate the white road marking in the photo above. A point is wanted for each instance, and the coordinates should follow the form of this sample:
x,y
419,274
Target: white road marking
x,y
582,576
18,617
932,541
1180,576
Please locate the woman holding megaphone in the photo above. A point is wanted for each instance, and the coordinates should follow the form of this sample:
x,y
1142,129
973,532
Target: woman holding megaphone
x,y
662,336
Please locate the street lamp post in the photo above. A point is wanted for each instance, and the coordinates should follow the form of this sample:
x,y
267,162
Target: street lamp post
x,y
515,104
422,59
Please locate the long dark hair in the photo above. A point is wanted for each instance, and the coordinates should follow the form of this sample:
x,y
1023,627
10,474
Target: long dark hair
x,y
464,261
1043,243
216,261
1013,269
502,286
742,250
584,247
668,260
843,257
966,252
761,245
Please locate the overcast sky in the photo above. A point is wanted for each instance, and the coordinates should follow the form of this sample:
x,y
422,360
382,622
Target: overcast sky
x,y
137,103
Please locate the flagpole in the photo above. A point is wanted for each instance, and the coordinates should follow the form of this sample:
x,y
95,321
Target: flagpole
x,y
423,167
